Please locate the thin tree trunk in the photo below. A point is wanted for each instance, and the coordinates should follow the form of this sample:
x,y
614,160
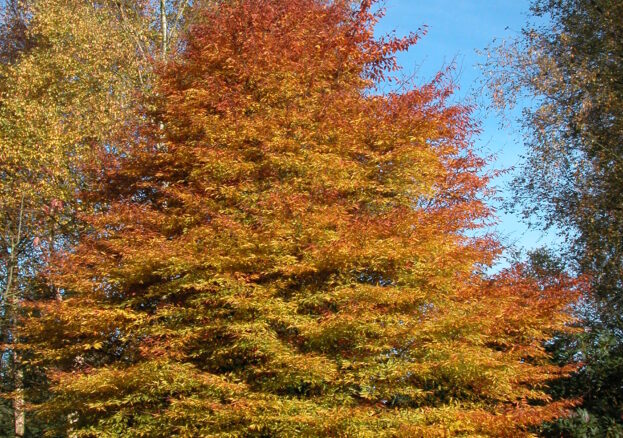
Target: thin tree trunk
x,y
19,413
163,28
177,23
19,403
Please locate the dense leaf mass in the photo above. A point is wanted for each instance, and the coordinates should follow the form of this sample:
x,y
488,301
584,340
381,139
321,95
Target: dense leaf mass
x,y
576,141
284,252
63,94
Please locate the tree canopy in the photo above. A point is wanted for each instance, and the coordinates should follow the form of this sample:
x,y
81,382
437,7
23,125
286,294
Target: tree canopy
x,y
279,250
571,64
63,94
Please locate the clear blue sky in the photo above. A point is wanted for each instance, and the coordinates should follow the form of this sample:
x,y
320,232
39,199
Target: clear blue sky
x,y
456,30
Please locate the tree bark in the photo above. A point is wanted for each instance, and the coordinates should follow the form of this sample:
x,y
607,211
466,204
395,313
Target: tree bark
x,y
19,404
163,28
19,413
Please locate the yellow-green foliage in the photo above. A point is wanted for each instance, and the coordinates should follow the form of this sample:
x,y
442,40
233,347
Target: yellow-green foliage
x,y
67,84
67,92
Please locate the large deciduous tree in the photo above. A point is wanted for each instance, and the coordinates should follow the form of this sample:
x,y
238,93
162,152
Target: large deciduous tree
x,y
282,251
571,64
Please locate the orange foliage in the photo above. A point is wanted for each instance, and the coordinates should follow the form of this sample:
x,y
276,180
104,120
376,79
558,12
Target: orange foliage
x,y
289,253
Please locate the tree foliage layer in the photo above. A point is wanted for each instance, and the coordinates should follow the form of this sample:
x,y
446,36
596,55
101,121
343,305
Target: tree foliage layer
x,y
281,251
66,89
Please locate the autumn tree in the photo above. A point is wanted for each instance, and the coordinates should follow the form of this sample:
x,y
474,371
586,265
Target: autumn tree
x,y
67,84
70,73
570,62
282,251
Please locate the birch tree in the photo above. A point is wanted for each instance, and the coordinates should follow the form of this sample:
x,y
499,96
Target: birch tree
x,y
71,71
568,64
67,84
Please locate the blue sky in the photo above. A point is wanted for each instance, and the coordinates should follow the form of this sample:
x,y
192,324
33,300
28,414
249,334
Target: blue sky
x,y
456,30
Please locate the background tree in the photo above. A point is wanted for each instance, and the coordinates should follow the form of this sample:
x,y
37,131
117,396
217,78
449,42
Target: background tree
x,y
293,257
69,76
572,63
71,71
